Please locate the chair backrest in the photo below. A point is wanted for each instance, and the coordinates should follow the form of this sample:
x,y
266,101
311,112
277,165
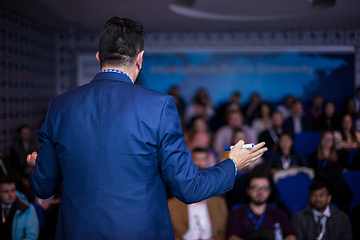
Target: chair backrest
x,y
306,142
294,190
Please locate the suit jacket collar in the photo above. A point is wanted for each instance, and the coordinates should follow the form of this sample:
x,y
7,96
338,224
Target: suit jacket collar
x,y
112,76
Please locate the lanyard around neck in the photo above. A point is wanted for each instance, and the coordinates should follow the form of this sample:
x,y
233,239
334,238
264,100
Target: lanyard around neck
x,y
115,71
323,164
252,218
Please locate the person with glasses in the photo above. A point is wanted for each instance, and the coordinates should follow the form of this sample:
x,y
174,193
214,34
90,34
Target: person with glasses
x,y
256,219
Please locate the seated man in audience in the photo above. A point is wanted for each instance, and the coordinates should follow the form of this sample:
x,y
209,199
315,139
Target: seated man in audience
x,y
203,220
271,135
298,122
319,220
223,136
256,219
19,219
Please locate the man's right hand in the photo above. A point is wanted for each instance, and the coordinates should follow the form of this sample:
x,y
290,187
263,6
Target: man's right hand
x,y
31,158
245,157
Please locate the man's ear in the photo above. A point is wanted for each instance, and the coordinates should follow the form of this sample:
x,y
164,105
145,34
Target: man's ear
x,y
139,59
97,57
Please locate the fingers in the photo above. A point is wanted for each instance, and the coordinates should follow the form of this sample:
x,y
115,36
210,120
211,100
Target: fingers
x,y
258,146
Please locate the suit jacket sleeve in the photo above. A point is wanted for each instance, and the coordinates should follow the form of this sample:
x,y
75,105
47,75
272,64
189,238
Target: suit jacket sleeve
x,y
185,180
46,178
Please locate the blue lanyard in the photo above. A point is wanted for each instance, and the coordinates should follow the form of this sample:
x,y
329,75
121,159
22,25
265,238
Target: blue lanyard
x,y
115,71
323,164
256,223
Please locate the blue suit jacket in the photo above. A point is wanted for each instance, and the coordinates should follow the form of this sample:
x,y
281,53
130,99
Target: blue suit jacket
x,y
114,145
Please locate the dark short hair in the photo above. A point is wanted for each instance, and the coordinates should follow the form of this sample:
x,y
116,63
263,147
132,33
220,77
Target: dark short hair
x,y
6,179
318,185
261,170
120,41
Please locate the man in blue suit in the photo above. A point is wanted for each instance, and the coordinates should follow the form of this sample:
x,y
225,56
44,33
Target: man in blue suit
x,y
114,145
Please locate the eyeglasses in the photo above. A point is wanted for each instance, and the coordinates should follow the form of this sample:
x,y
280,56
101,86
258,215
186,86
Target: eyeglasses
x,y
258,188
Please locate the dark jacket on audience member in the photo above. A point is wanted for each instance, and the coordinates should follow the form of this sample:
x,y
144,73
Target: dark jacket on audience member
x,y
296,159
337,226
289,124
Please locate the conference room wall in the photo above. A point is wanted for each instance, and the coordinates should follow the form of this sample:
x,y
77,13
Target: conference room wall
x,y
28,73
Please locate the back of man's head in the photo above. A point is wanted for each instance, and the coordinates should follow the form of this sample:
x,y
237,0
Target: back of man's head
x,y
120,42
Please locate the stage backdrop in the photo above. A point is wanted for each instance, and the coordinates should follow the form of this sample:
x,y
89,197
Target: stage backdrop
x,y
272,75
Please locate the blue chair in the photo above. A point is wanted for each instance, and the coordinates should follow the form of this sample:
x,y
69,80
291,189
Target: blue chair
x,y
306,142
294,190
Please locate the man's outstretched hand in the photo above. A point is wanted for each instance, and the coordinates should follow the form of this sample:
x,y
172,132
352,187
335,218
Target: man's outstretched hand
x,y
245,157
31,158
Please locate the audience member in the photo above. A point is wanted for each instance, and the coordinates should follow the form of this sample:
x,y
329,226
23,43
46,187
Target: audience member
x,y
197,125
297,122
329,120
21,147
347,138
235,99
201,106
264,121
256,219
224,135
179,102
285,157
350,109
328,165
238,194
271,135
319,220
315,111
286,108
203,220
19,219
326,156
253,111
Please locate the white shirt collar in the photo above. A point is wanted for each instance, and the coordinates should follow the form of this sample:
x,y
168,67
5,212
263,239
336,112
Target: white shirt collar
x,y
326,213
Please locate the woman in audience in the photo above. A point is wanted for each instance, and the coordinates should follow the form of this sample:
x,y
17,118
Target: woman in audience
x,y
347,138
200,106
350,109
329,120
264,122
252,112
328,165
326,156
285,157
